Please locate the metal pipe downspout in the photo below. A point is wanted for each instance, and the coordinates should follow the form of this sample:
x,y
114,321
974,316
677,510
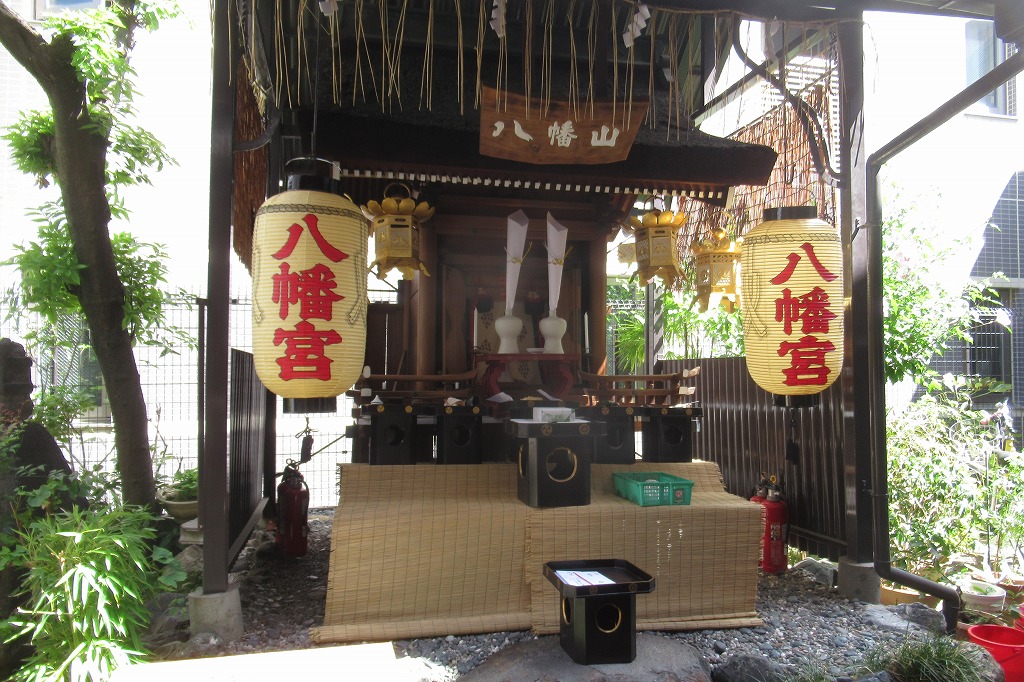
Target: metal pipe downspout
x,y
879,484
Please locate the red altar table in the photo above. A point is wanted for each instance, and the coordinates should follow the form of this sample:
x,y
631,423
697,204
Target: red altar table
x,y
555,368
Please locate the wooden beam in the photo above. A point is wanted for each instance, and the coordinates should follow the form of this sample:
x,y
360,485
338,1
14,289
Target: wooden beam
x,y
698,163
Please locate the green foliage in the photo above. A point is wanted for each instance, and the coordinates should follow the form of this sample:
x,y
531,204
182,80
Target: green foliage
x,y
57,408
100,57
954,499
183,486
50,282
931,488
629,340
921,312
88,578
50,272
935,658
812,671
689,333
10,437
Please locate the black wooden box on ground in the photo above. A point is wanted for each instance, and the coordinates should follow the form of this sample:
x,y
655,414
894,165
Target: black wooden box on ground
x,y
598,608
553,460
618,445
397,435
667,433
458,435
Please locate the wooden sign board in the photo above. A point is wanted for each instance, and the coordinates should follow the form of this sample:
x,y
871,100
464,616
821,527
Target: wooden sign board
x,y
603,133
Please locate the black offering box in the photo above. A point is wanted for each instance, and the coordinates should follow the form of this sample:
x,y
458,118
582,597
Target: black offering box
x,y
399,433
459,434
618,445
667,433
553,460
598,608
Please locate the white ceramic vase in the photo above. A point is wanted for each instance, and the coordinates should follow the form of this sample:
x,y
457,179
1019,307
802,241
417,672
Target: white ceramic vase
x,y
508,328
552,328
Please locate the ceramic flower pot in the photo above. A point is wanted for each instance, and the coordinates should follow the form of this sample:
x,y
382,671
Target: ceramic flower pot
x,y
179,510
1014,587
982,597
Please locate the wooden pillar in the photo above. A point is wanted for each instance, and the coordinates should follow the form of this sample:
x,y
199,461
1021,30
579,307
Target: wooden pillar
x,y
213,463
596,307
852,214
422,349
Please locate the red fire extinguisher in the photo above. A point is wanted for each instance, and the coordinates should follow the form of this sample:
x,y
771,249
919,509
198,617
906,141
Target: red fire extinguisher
x,y
776,528
292,512
761,491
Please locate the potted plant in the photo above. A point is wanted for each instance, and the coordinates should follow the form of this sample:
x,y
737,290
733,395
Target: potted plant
x,y
982,597
180,496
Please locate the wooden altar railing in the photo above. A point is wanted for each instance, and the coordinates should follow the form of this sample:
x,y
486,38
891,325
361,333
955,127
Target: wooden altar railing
x,y
639,389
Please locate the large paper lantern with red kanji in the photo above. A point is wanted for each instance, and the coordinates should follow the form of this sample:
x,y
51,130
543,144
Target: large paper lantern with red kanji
x,y
309,293
792,302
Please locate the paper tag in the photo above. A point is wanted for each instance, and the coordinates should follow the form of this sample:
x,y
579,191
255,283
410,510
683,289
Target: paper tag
x,y
581,578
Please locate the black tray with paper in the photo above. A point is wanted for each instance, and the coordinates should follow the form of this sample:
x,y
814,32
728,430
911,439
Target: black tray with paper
x,y
588,577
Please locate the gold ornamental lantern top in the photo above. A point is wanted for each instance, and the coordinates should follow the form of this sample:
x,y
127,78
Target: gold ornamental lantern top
x,y
395,226
717,270
656,235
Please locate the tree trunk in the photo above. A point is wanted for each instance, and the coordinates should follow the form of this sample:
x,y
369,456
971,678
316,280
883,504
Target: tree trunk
x,y
79,156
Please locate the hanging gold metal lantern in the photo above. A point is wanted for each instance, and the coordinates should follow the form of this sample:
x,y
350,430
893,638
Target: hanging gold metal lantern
x,y
657,245
717,272
309,293
792,301
395,226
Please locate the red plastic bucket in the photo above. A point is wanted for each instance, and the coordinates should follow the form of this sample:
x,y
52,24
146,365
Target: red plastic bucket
x,y
1006,645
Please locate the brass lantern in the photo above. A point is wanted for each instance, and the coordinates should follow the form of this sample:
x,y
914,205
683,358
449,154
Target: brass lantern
x,y
717,264
793,302
657,245
395,226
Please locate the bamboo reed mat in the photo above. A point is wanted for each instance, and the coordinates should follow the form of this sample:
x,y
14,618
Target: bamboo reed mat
x,y
703,556
425,550
428,550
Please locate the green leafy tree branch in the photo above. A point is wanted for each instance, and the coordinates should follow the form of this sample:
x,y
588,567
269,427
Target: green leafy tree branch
x,y
87,145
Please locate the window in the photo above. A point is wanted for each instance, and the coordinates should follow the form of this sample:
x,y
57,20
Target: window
x,y
989,355
71,363
45,8
987,358
984,53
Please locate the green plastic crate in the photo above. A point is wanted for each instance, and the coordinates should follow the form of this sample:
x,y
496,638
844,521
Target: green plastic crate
x,y
653,488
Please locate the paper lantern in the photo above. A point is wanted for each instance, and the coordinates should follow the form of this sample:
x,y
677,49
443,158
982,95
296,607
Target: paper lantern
x,y
657,246
309,294
717,276
395,226
792,302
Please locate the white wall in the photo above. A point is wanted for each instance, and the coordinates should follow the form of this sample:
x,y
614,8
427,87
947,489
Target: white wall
x,y
956,174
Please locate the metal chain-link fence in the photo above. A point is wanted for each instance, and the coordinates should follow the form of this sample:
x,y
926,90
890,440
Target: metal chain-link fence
x,y
171,385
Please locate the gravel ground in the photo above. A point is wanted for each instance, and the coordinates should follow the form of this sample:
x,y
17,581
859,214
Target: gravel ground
x,y
805,621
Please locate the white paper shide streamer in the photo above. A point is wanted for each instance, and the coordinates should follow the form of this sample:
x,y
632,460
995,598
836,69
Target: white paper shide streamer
x,y
508,326
552,327
557,237
515,248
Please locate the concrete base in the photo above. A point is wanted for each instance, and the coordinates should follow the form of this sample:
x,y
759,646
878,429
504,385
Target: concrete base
x,y
219,614
859,581
190,533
